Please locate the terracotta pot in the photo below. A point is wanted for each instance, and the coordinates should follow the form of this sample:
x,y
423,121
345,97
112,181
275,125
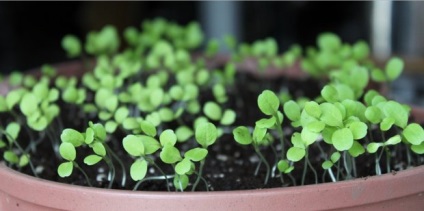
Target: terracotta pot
x,y
403,190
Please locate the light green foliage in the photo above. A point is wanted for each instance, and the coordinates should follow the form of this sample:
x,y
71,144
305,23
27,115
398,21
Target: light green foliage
x,y
295,154
292,110
228,117
342,139
72,136
183,133
212,110
106,41
206,134
168,138
414,134
284,167
133,145
196,154
242,135
394,68
373,147
72,45
268,102
170,154
138,170
331,115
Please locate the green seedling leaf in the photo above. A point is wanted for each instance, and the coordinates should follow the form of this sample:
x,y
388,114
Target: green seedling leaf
x,y
13,97
67,151
168,138
259,134
23,160
156,97
184,133
72,136
394,140
212,111
3,104
176,92
397,112
148,128
308,136
27,104
419,149
328,41
242,135
11,157
369,96
72,45
196,154
342,139
335,157
170,154
268,102
292,110
183,166
373,114
360,50
356,149
92,160
138,170
228,117
65,169
166,114
394,68
331,115
13,129
284,167
387,123
327,165
151,145
99,130
121,114
313,109
297,140
414,134
99,149
358,129
330,94
206,134
133,145
181,182
373,147
295,154
315,126
130,123
266,123
111,126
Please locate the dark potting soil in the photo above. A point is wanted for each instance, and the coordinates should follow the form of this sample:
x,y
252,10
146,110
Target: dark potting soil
x,y
229,165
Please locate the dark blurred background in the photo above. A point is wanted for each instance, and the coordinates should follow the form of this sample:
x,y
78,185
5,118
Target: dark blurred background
x,y
30,32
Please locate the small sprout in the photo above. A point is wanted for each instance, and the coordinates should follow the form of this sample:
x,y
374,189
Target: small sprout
x,y
92,159
394,140
296,153
138,170
148,128
228,117
196,154
67,151
331,115
183,133
72,136
373,147
133,145
356,149
183,167
313,109
212,111
266,123
206,134
181,182
292,110
11,157
242,135
170,154
397,112
268,102
394,68
342,139
284,167
72,45
387,123
358,129
65,169
168,138
414,134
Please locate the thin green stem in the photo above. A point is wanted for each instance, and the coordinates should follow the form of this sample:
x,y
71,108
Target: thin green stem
x,y
280,134
114,156
305,166
347,165
268,168
112,172
83,172
152,178
313,170
202,163
330,172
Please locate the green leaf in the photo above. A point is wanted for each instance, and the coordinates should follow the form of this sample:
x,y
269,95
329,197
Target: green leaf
x,y
331,115
292,110
228,117
266,123
168,138
315,126
72,45
414,134
327,164
11,157
67,151
295,154
394,140
356,149
297,140
394,68
166,114
330,94
212,110
283,166
387,123
308,136
206,134
138,170
242,135
28,104
23,160
13,129
259,134
148,128
313,109
419,149
180,182
196,154
183,166
121,114
373,114
3,104
154,118
342,139
183,133
99,131
335,157
268,102
130,123
156,97
65,169
151,145
170,154
72,136
99,148
373,147
92,160
328,41
358,129
396,111
360,50
133,145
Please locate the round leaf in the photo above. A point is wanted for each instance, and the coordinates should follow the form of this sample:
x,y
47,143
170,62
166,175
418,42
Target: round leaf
x,y
196,154
138,170
170,154
242,135
358,129
72,136
268,102
183,166
357,149
67,151
342,139
373,147
92,159
331,115
212,111
228,117
133,145
414,134
295,154
148,128
292,110
65,169
183,133
168,138
394,68
206,134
